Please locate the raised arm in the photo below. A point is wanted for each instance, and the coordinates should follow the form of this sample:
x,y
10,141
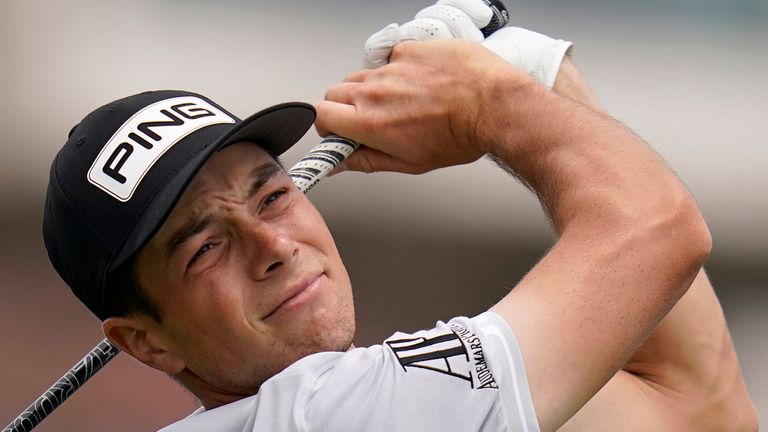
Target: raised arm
x,y
685,375
631,239
630,242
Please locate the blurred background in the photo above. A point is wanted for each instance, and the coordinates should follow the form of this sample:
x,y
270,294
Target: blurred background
x,y
689,76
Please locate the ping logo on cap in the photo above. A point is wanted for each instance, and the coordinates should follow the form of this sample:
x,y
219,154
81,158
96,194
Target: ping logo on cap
x,y
144,138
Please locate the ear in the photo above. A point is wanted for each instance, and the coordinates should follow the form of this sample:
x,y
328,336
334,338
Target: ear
x,y
142,339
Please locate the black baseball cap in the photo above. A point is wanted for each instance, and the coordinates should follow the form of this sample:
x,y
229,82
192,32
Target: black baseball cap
x,y
125,166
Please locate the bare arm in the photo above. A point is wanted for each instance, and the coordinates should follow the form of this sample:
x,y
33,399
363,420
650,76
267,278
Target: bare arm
x,y
685,375
631,239
630,243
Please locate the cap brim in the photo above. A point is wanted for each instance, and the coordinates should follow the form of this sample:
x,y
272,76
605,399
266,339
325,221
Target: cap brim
x,y
276,129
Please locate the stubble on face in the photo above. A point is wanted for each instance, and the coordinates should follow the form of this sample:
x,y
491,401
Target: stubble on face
x,y
208,317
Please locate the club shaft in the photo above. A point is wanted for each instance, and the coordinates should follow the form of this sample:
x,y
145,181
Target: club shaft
x,y
64,387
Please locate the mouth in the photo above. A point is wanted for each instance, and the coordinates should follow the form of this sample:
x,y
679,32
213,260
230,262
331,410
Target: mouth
x,y
299,295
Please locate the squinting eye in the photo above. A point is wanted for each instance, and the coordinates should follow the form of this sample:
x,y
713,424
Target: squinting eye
x,y
202,251
273,197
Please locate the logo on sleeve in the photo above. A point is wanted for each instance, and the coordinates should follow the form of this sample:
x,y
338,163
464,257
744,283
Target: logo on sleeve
x,y
458,353
144,138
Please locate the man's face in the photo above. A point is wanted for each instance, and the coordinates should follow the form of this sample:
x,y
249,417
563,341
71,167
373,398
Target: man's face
x,y
245,274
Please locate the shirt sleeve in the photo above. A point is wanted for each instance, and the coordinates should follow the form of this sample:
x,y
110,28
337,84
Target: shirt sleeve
x,y
464,375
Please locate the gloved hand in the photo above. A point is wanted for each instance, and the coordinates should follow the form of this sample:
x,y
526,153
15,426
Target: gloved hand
x,y
447,19
534,53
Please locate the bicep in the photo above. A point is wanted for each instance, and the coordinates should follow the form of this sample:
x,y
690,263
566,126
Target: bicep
x,y
691,346
628,403
684,376
581,312
690,354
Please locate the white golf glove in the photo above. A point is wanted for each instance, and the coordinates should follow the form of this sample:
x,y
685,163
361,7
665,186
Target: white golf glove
x,y
537,55
534,53
447,19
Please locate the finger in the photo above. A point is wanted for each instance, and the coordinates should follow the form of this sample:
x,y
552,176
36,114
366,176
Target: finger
x,y
358,76
338,118
368,160
460,25
338,169
425,29
379,46
322,132
403,49
341,93
476,10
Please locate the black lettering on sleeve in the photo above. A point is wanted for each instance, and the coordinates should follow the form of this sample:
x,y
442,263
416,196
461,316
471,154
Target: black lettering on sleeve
x,y
432,354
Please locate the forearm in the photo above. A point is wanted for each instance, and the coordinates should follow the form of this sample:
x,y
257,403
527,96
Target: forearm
x,y
630,242
590,171
684,355
570,83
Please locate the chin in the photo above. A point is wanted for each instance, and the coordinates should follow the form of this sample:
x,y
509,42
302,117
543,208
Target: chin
x,y
327,325
331,326
328,329
333,330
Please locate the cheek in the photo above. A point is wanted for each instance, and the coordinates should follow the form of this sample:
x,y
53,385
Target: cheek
x,y
216,293
216,340
209,311
309,227
337,317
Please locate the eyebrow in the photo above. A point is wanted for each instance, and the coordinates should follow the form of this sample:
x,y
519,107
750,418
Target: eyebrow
x,y
261,175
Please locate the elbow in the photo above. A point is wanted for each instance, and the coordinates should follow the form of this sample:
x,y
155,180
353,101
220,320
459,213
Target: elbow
x,y
678,236
696,240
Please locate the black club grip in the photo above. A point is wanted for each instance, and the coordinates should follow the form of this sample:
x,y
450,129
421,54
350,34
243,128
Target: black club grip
x,y
500,17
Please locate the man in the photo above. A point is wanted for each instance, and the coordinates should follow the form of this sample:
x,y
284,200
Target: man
x,y
173,222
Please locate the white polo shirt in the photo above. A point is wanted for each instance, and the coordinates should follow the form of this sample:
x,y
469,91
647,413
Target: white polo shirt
x,y
464,375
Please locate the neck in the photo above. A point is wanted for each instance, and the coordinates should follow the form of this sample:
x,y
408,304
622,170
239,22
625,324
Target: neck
x,y
210,397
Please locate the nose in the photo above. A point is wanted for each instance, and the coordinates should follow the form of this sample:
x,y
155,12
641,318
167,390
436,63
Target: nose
x,y
270,249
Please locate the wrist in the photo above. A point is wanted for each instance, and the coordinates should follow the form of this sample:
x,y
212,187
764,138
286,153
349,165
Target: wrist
x,y
571,84
513,117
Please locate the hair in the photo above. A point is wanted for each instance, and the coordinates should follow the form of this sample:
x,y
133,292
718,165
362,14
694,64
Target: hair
x,y
125,296
276,158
